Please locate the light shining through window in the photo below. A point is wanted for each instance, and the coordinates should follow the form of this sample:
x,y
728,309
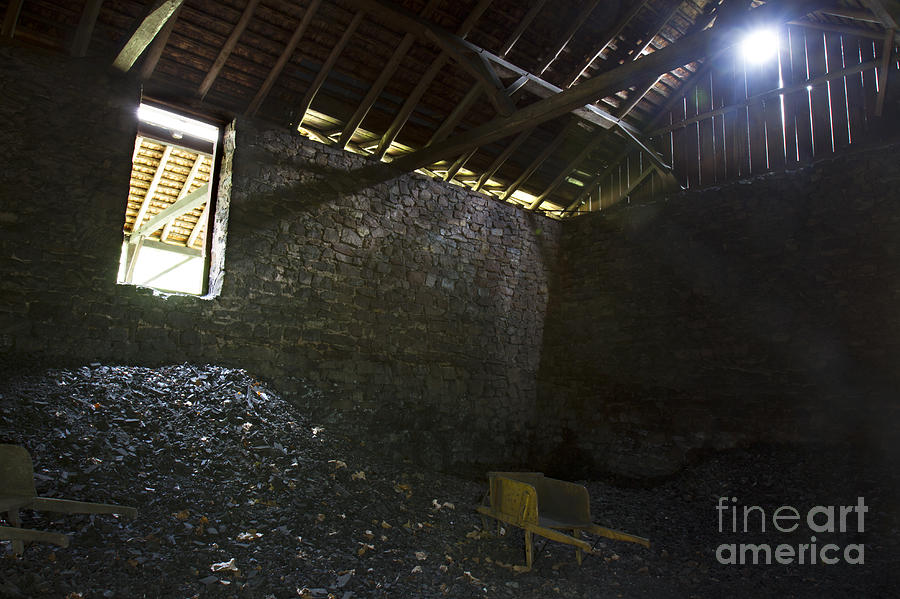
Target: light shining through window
x,y
760,46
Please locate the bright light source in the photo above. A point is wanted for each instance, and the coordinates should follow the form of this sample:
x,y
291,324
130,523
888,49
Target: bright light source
x,y
760,45
809,88
176,123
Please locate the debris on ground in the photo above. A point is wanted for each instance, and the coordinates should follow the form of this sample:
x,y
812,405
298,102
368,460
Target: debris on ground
x,y
240,495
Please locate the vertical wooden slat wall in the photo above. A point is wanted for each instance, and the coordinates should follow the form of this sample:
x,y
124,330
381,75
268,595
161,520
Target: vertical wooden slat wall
x,y
737,123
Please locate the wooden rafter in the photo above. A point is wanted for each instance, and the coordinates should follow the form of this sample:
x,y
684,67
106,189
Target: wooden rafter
x,y
185,189
599,136
476,65
888,12
532,82
172,211
536,7
458,164
539,160
151,190
595,180
145,32
456,115
686,50
13,9
323,73
780,91
386,73
266,87
158,46
416,95
576,24
702,22
86,27
501,159
609,38
843,29
227,48
202,222
850,13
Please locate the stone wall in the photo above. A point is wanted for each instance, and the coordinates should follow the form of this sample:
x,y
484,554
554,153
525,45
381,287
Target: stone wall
x,y
416,306
763,311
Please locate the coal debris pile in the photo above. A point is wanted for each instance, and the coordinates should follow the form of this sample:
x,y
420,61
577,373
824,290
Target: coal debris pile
x,y
239,494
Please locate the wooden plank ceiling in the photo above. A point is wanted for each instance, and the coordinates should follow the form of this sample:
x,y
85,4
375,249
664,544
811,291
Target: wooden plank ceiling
x,y
444,86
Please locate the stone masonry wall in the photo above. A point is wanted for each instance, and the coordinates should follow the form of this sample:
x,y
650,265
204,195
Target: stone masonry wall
x,y
763,311
416,306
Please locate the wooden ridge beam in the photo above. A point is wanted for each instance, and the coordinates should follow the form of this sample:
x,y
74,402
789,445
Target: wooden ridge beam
x,y
577,23
145,32
323,73
86,28
227,48
615,32
387,72
266,87
511,41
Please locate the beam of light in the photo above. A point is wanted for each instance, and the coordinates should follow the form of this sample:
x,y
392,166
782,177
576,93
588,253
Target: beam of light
x,y
176,123
760,46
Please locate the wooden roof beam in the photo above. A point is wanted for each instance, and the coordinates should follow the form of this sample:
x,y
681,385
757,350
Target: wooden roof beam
x,y
460,162
263,91
185,189
158,46
888,12
227,49
425,80
600,135
86,28
844,29
174,210
155,19
476,65
386,73
686,50
323,73
151,189
502,158
609,38
13,9
539,159
577,22
640,91
522,26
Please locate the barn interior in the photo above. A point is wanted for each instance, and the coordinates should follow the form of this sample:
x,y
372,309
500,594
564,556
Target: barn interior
x,y
292,276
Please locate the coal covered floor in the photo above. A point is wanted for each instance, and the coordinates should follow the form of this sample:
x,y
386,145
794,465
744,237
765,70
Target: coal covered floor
x,y
240,495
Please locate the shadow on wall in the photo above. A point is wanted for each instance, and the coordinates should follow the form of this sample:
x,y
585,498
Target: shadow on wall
x,y
756,312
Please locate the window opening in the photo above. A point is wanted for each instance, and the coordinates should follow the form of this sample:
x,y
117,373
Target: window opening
x,y
170,201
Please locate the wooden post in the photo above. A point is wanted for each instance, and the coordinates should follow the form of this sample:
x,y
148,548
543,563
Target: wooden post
x,y
11,18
